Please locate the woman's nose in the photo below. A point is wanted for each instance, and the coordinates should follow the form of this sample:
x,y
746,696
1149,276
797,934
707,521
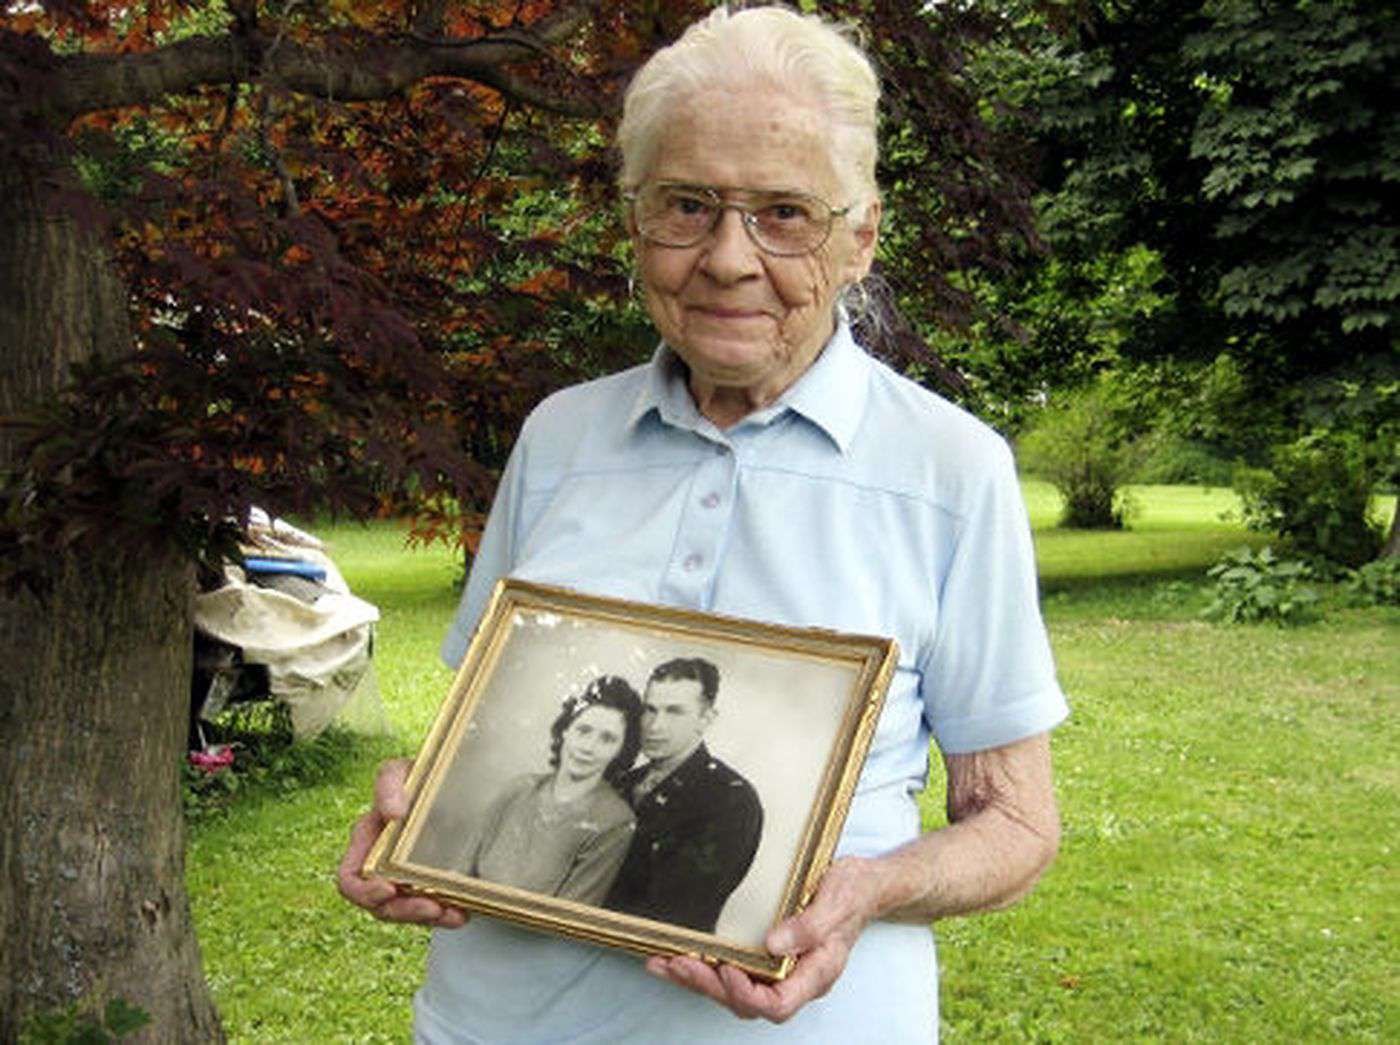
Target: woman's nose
x,y
731,254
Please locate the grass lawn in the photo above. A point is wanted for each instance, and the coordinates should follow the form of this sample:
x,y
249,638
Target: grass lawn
x,y
1230,796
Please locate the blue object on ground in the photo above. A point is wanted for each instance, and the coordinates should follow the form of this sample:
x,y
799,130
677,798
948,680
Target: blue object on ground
x,y
299,567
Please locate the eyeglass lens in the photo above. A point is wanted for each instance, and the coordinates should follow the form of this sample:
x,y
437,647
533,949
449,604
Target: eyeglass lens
x,y
778,222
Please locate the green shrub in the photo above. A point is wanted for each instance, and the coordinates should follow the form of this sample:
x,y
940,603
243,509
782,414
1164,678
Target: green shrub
x,y
1170,460
1255,586
1078,447
1316,497
1374,584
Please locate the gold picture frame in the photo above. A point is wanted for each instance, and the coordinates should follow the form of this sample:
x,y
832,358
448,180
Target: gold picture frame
x,y
790,725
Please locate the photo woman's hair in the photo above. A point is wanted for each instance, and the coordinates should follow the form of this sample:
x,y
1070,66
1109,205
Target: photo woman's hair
x,y
606,691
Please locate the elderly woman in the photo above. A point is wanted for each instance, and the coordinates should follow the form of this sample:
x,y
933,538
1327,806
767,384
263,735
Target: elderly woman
x,y
763,465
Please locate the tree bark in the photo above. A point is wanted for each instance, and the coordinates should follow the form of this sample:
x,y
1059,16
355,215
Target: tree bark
x,y
1391,550
376,70
94,696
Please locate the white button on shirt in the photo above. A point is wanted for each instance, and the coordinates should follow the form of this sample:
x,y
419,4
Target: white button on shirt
x,y
859,502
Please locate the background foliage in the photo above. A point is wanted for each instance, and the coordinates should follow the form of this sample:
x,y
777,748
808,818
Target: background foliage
x,y
349,303
1216,193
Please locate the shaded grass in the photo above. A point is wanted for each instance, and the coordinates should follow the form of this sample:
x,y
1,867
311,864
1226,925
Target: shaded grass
x,y
1157,566
287,959
1230,799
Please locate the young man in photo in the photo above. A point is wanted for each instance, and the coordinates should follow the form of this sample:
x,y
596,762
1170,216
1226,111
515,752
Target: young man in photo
x,y
698,820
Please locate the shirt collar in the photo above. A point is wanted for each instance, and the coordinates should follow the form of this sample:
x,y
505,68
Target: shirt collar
x,y
665,392
831,394
833,391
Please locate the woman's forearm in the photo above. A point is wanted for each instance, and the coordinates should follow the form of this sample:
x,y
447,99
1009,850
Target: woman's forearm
x,y
1003,832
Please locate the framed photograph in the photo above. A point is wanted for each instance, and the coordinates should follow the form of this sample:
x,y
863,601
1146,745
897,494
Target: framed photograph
x,y
644,777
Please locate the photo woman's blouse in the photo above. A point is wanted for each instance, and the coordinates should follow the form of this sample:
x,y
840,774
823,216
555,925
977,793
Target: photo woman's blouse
x,y
531,840
858,502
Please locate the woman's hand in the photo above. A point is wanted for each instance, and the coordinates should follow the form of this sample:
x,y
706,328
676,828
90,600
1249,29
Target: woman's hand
x,y
1003,832
383,899
820,938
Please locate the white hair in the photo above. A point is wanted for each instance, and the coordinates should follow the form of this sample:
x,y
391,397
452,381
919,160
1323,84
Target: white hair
x,y
809,59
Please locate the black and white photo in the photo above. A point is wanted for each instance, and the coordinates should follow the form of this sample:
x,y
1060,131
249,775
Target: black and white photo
x,y
678,775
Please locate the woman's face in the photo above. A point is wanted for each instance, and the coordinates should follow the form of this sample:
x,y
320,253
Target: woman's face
x,y
591,741
748,323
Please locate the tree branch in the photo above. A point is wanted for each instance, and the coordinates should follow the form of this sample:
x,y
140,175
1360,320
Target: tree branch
x,y
378,68
274,155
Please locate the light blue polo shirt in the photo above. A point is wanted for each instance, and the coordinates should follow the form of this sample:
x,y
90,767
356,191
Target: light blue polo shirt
x,y
859,501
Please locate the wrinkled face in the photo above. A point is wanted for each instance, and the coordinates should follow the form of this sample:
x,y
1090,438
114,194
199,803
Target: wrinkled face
x,y
591,741
742,319
674,717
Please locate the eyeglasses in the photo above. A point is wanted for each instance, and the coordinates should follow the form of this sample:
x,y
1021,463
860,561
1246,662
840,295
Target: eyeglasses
x,y
786,224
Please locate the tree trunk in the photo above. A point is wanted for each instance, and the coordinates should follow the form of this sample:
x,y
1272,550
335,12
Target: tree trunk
x,y
94,697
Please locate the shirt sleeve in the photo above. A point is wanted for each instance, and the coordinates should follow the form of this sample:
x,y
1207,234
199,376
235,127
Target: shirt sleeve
x,y
989,678
494,558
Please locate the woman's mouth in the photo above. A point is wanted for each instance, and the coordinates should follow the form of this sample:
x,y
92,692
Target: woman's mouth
x,y
728,313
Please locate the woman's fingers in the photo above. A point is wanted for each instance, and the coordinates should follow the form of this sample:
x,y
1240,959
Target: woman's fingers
x,y
842,907
420,910
812,976
820,938
390,796
368,893
383,899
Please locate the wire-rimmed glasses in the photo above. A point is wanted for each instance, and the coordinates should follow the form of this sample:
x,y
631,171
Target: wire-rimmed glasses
x,y
779,222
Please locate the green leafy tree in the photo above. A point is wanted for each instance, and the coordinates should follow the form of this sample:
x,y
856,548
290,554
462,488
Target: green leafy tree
x,y
1080,445
1316,495
1250,145
1250,148
1298,141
